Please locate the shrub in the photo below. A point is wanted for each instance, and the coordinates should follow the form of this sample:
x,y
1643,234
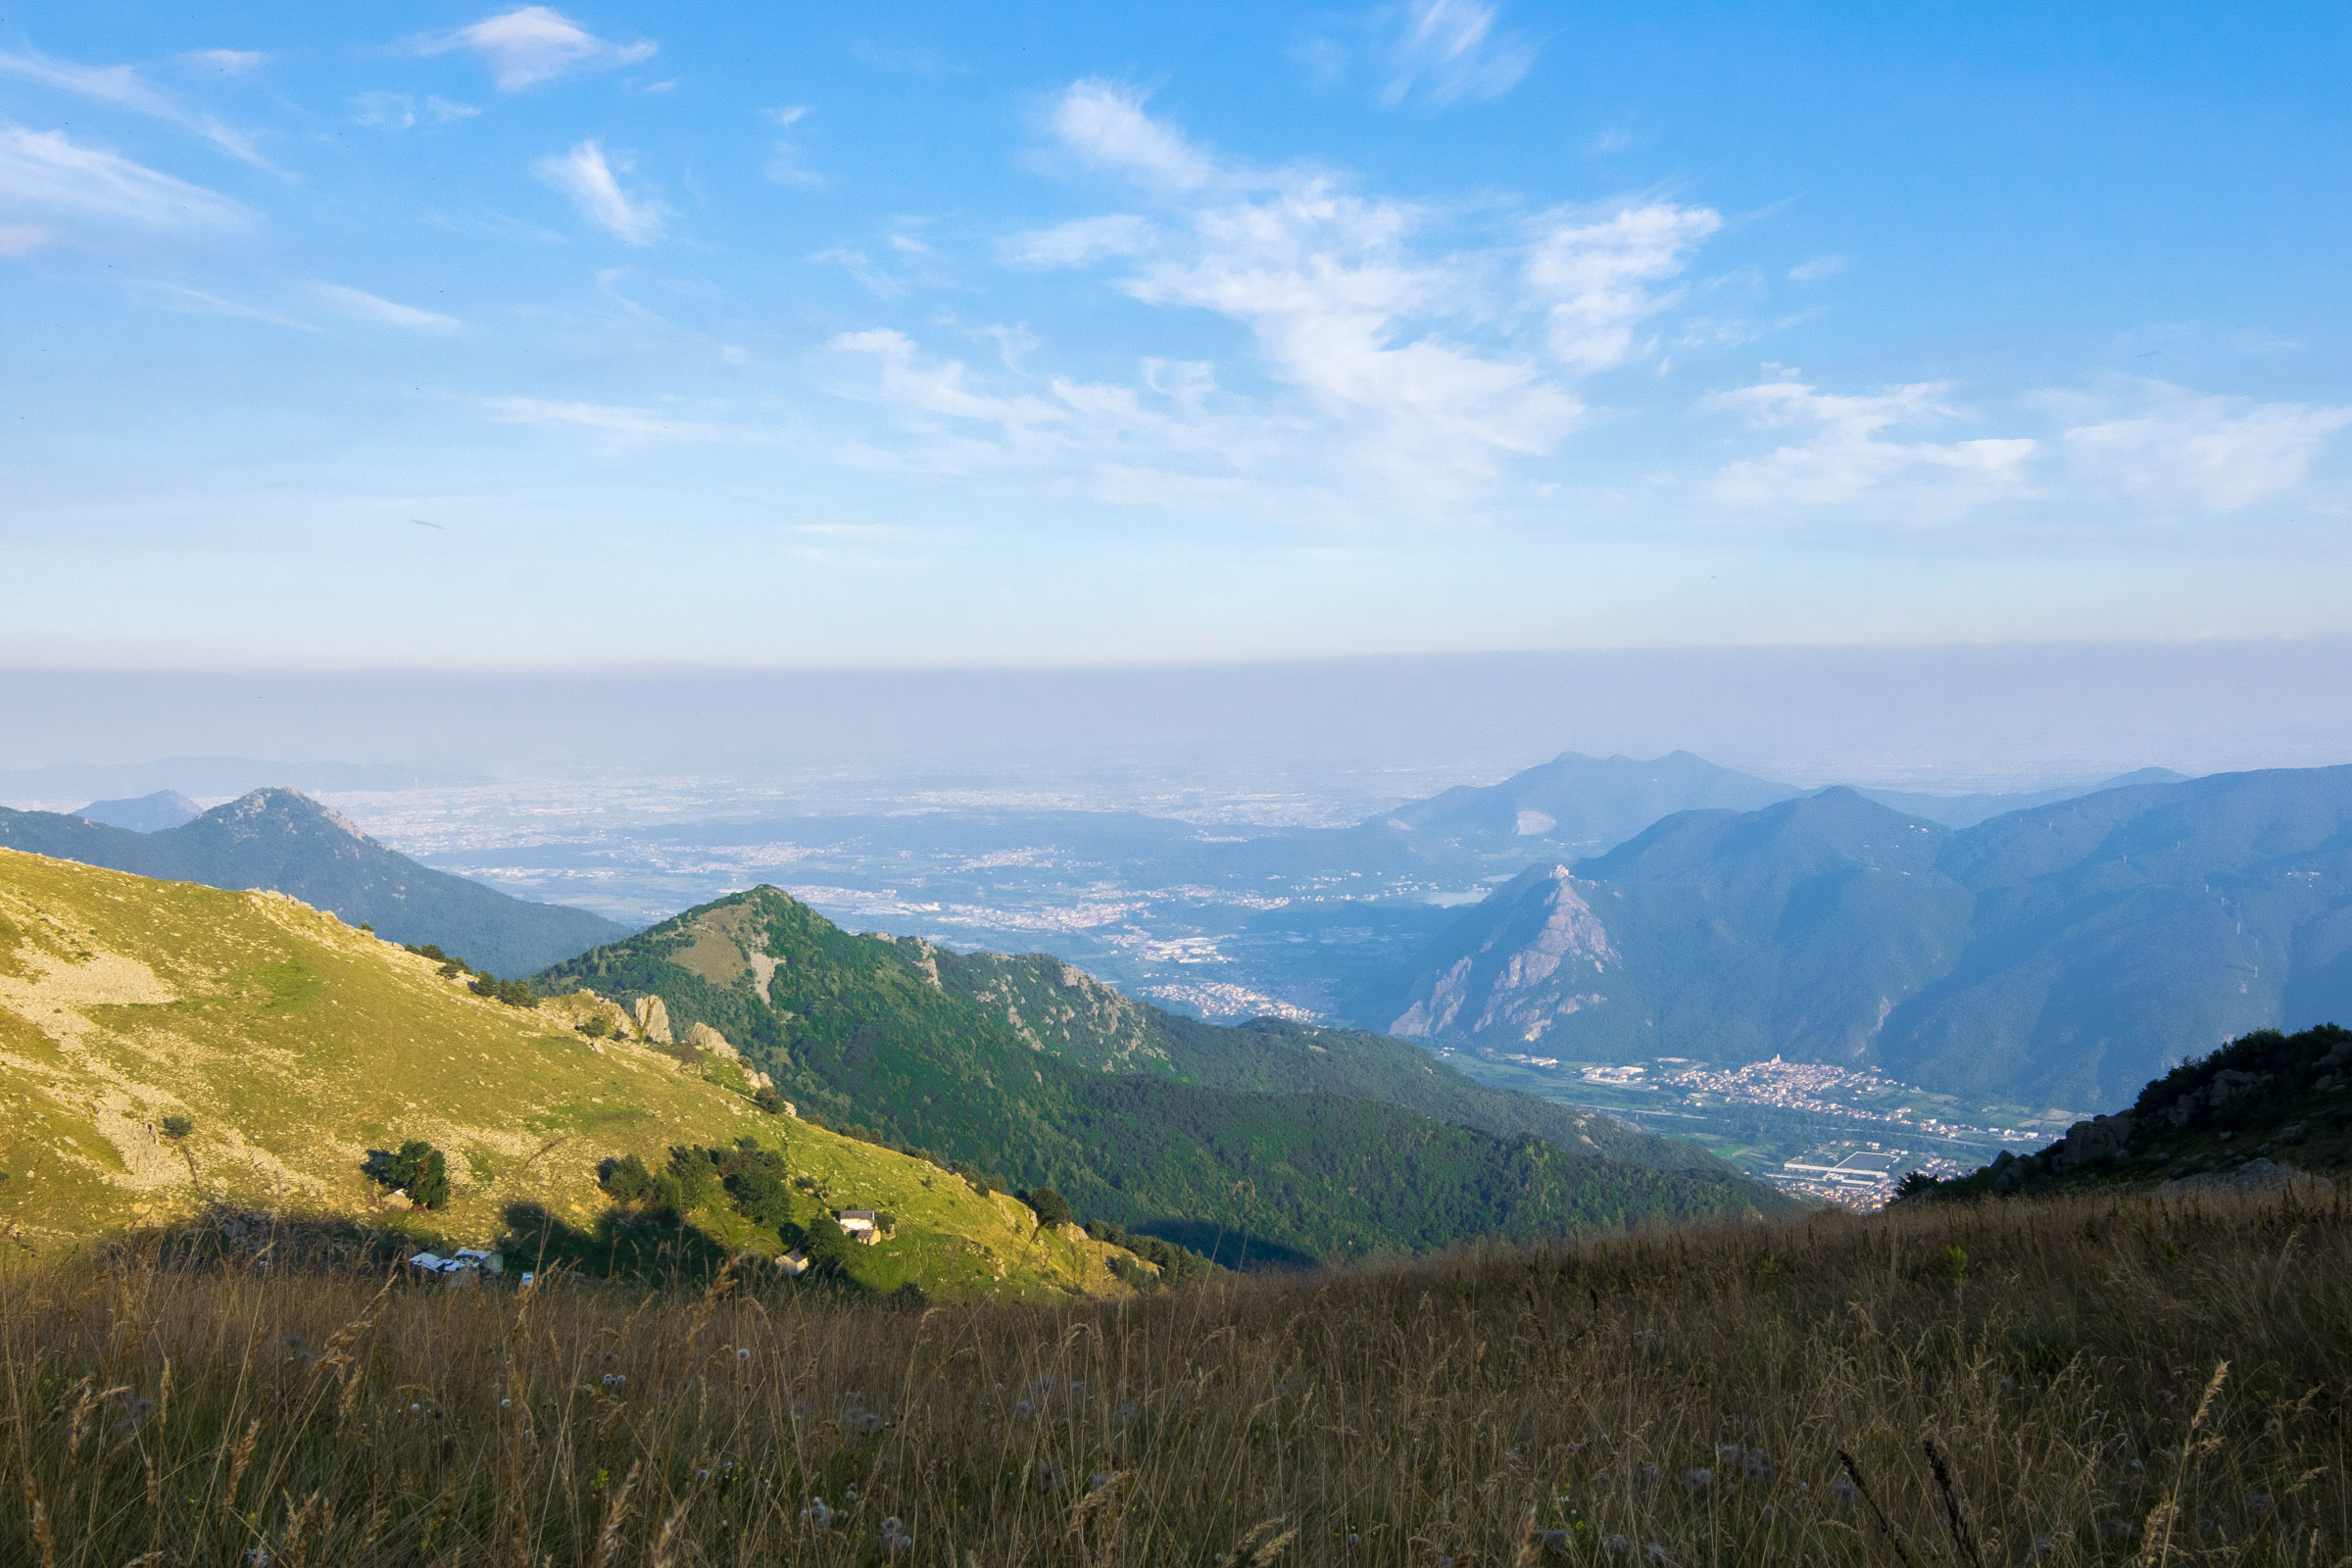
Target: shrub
x,y
416,1168
597,1027
769,1100
178,1126
514,993
1051,1207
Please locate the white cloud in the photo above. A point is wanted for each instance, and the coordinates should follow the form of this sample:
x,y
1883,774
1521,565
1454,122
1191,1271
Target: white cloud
x,y
362,306
1401,372
1590,275
534,44
587,178
1819,267
45,174
1450,50
1081,243
124,87
2221,453
400,111
1104,124
1845,457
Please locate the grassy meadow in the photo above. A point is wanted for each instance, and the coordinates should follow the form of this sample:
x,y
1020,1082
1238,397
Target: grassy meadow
x,y
2095,1380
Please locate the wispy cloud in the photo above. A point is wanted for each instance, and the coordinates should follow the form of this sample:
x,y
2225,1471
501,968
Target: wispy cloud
x,y
1401,372
1448,50
623,424
400,111
1592,274
1082,242
1845,455
1819,267
226,62
588,179
1104,124
123,87
2172,447
362,306
784,165
533,45
48,180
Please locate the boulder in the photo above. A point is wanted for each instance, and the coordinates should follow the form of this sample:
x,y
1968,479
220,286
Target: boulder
x,y
652,1019
2088,1143
705,1038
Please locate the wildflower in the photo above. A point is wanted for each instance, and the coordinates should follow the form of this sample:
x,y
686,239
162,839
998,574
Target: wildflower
x,y
894,1539
1657,1554
1844,1490
743,1352
1600,1480
1699,1480
863,1420
817,1516
1728,1454
1554,1540
416,1409
2043,1547
848,1493
1758,1467
2258,1503
1020,1411
1616,1545
1097,1481
503,1403
2119,1528
2006,1386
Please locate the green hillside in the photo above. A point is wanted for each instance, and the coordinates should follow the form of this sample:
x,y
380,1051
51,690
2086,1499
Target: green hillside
x,y
287,843
2263,1104
1071,1014
866,1032
294,1045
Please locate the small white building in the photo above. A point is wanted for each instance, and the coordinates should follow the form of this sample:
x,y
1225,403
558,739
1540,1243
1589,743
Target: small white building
x,y
462,1267
860,1225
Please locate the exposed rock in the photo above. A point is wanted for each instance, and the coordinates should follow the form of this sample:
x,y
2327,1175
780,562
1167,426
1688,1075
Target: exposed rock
x,y
2254,1176
705,1038
652,1019
2088,1143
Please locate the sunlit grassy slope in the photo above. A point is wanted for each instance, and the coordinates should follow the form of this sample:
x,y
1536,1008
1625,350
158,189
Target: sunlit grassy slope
x,y
296,1044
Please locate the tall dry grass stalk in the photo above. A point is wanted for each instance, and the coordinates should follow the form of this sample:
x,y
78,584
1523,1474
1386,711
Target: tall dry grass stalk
x,y
1677,1399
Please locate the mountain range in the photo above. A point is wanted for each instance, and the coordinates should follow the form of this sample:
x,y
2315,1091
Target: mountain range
x,y
2064,954
1247,1143
283,841
1593,802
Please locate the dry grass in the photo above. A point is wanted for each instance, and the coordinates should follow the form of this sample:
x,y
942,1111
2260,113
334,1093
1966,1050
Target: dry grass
x,y
1683,1399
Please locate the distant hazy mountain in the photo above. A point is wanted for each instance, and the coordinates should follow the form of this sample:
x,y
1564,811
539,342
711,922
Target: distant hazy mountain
x,y
1967,811
1594,803
2065,955
1579,800
288,843
148,813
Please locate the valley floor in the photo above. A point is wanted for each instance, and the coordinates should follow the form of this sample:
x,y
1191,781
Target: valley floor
x,y
2103,1381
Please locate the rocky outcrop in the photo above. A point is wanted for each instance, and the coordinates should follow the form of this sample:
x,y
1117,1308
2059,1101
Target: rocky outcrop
x,y
2095,1142
652,1019
1537,963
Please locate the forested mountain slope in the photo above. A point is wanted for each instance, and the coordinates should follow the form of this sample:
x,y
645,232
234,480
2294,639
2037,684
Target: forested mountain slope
x,y
866,1032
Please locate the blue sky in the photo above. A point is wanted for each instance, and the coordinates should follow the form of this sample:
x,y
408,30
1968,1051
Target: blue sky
x,y
783,334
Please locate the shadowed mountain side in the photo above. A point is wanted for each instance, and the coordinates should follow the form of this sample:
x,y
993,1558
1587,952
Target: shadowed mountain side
x,y
866,1032
1716,935
1076,1017
2063,955
285,842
